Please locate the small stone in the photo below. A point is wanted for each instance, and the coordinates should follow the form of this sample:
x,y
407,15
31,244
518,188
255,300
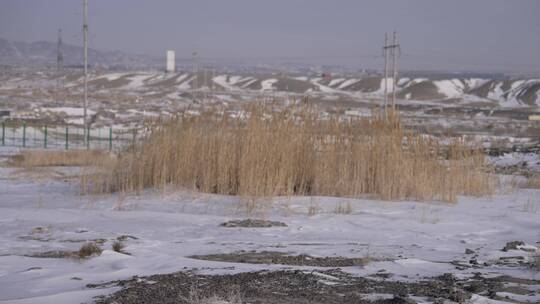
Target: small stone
x,y
469,251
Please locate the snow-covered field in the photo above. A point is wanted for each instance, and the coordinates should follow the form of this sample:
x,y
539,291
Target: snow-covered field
x,y
411,240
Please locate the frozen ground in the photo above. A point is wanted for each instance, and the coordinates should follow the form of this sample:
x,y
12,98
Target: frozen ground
x,y
409,240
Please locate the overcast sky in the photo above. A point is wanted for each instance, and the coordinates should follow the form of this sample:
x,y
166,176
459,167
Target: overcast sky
x,y
435,34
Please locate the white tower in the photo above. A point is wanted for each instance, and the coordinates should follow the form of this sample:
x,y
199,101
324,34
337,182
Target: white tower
x,y
170,61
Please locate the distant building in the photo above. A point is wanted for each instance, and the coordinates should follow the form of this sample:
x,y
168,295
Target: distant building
x,y
534,117
4,113
170,62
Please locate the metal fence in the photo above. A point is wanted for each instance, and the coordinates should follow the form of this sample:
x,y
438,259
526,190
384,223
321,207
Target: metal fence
x,y
24,135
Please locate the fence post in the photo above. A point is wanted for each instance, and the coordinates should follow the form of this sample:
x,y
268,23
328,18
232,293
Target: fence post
x,y
88,137
24,134
45,138
67,137
3,133
110,138
134,136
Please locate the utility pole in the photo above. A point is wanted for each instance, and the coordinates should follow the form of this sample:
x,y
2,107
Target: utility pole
x,y
385,53
213,85
59,62
85,32
392,48
205,84
195,75
59,55
395,46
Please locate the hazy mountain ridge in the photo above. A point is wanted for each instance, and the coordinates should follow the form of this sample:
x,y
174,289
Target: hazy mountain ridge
x,y
44,53
519,92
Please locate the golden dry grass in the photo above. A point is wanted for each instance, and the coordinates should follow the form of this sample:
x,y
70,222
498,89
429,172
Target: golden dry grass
x,y
533,182
38,164
49,158
269,152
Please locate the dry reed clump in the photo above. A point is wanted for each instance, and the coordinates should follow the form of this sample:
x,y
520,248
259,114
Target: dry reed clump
x,y
268,152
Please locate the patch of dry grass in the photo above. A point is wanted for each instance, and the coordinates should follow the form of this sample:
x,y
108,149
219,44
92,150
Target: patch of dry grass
x,y
533,182
89,249
49,158
271,152
38,164
118,246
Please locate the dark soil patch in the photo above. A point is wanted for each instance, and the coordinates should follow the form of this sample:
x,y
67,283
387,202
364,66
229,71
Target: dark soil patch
x,y
273,257
424,90
252,223
367,84
287,287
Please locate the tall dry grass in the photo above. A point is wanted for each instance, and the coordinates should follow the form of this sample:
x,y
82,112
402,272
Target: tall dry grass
x,y
269,152
49,158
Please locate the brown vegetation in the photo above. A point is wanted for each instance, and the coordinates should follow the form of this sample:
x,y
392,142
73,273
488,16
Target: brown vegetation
x,y
269,152
89,249
118,246
533,182
47,158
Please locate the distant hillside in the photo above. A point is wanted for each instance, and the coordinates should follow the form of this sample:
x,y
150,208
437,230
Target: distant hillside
x,y
510,93
43,53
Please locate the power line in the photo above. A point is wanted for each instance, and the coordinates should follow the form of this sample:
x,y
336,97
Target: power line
x,y
385,53
59,61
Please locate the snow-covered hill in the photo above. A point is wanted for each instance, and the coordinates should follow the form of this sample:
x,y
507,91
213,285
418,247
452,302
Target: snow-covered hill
x,y
503,93
508,93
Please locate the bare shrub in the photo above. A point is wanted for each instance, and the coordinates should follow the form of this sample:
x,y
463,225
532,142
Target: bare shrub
x,y
89,249
268,152
118,246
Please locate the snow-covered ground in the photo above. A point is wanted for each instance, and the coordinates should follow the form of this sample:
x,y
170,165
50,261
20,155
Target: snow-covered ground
x,y
412,240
